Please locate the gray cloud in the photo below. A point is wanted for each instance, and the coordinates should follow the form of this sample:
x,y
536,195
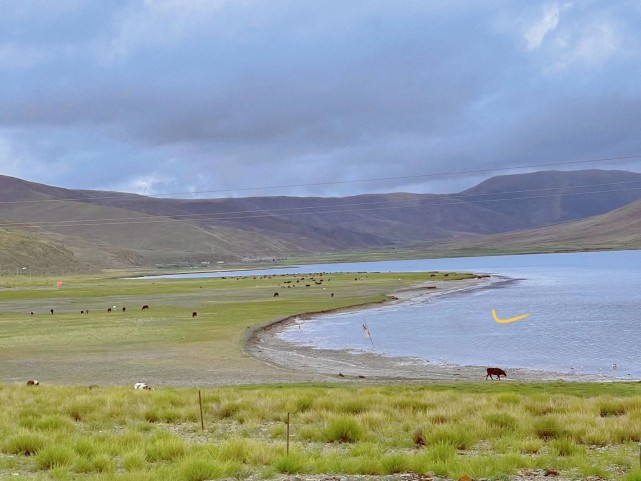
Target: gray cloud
x,y
168,96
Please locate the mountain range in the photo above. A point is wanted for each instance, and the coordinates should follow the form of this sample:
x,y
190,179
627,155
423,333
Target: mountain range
x,y
51,229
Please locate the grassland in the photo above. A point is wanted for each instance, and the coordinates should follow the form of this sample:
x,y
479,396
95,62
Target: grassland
x,y
164,345
66,430
484,430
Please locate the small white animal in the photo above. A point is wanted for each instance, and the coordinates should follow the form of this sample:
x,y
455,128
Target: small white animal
x,y
142,385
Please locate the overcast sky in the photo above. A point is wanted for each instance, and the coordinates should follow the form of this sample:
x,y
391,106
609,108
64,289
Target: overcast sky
x,y
217,97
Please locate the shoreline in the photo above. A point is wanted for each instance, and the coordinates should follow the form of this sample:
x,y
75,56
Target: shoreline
x,y
264,344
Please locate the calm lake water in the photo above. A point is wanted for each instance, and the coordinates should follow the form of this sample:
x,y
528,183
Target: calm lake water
x,y
585,314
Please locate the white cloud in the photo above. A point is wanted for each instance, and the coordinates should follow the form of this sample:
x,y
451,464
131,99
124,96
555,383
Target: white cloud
x,y
535,35
597,45
589,46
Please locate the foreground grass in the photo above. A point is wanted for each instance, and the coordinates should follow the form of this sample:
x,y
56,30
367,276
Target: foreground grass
x,y
117,433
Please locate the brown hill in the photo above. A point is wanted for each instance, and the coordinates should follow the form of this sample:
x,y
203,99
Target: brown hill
x,y
549,197
111,229
616,230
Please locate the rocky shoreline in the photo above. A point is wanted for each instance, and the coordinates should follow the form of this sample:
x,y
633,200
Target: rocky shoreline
x,y
265,344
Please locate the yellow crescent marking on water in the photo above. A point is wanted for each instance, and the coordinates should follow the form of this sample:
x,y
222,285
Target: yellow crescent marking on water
x,y
509,319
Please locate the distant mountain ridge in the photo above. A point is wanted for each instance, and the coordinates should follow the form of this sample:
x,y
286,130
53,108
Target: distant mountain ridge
x,y
110,229
549,197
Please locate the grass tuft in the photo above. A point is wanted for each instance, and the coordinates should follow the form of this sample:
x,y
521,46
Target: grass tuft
x,y
396,463
134,461
52,457
634,475
501,421
458,436
548,427
441,452
24,443
289,464
198,469
344,430
563,447
611,408
165,448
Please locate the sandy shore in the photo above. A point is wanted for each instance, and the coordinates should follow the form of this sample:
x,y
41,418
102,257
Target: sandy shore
x,y
264,344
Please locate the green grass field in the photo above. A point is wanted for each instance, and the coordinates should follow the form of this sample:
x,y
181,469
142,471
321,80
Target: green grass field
x,y
484,430
165,344
65,430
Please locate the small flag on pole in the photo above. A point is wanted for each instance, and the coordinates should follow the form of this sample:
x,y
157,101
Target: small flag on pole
x,y
367,333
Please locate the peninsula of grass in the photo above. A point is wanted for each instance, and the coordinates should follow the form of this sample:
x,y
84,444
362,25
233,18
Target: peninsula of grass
x,y
83,343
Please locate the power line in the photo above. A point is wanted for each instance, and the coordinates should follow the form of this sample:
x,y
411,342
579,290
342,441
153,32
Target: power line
x,y
196,216
297,211
338,182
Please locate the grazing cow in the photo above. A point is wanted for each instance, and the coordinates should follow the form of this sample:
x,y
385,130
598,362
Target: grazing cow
x,y
82,313
275,294
332,295
32,313
145,307
109,309
496,371
194,314
33,382
143,386
51,311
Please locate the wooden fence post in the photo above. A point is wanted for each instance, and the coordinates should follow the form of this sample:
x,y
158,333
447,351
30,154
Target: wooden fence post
x,y
200,402
288,434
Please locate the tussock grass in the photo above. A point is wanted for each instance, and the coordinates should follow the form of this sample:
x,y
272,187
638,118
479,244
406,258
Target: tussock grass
x,y
27,443
134,460
292,463
501,421
343,429
548,427
610,407
634,475
200,469
530,446
165,447
54,456
450,430
473,435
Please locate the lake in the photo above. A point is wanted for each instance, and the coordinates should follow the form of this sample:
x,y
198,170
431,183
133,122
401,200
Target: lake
x,y
584,314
